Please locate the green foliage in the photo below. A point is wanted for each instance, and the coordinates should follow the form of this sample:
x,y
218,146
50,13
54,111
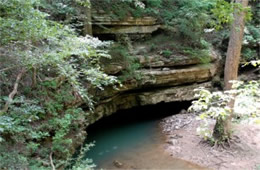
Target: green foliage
x,y
169,46
82,163
130,63
223,13
120,9
61,67
60,43
12,160
166,53
51,118
202,55
153,47
131,72
189,18
251,40
249,54
24,23
214,105
253,34
66,11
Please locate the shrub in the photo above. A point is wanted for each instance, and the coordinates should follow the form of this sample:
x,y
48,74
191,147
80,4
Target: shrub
x,y
166,53
214,105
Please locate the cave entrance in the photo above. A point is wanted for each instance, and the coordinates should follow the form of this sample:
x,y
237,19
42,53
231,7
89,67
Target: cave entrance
x,y
132,139
140,114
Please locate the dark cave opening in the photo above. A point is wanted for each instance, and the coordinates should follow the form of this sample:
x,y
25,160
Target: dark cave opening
x,y
140,114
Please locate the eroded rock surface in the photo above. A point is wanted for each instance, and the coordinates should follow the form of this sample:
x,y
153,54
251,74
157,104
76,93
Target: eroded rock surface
x,y
159,77
157,60
129,100
157,84
129,25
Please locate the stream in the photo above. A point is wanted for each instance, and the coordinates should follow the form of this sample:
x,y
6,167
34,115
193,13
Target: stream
x,y
133,139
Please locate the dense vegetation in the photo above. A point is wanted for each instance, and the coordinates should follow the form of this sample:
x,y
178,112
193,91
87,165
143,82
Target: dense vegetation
x,y
49,70
43,67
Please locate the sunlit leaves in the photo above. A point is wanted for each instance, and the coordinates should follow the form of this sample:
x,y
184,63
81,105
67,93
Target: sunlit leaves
x,y
223,13
214,105
38,42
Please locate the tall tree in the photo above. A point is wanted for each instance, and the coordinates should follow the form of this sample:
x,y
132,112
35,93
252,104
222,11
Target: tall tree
x,y
223,126
235,45
88,20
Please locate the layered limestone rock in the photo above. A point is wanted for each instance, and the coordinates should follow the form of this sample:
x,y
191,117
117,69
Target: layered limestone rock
x,y
173,77
154,61
128,25
162,77
128,21
156,85
129,100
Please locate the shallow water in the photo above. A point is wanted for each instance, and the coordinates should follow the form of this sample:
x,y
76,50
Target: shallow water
x,y
132,140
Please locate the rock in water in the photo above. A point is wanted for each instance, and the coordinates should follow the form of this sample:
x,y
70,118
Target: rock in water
x,y
118,164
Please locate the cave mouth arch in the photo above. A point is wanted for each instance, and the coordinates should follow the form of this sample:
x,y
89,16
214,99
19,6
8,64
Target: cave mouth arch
x,y
141,113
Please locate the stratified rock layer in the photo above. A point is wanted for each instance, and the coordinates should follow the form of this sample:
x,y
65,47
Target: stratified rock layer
x,y
129,100
156,86
129,25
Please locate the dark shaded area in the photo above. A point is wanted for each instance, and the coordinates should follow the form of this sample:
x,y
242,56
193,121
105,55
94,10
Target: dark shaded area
x,y
106,37
246,68
139,114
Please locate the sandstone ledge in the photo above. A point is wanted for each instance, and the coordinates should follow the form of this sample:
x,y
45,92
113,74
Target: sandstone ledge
x,y
158,78
129,100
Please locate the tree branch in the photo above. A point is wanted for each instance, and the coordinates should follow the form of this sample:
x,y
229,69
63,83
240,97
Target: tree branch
x,y
34,77
13,93
51,161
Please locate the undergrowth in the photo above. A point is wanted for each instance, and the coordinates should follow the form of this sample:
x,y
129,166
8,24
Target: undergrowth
x,y
169,46
39,125
121,56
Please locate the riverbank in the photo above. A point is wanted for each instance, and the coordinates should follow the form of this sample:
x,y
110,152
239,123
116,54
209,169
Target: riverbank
x,y
183,142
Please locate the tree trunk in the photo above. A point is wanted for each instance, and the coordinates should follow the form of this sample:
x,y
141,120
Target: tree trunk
x,y
222,128
235,45
88,21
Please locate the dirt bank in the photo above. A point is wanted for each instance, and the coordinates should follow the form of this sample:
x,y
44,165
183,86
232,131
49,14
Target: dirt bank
x,y
183,142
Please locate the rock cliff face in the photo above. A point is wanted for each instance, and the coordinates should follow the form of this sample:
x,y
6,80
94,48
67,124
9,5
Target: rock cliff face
x,y
164,78
158,83
129,25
